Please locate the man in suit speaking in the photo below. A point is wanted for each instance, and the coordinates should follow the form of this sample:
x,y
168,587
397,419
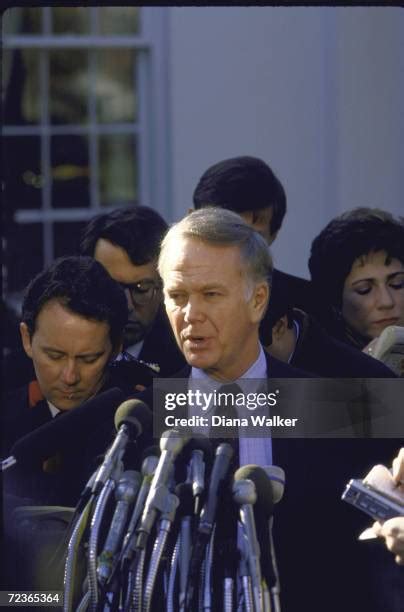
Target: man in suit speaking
x,y
216,272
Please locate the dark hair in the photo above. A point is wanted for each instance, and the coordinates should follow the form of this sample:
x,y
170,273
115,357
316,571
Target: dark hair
x,y
353,234
138,230
83,286
242,184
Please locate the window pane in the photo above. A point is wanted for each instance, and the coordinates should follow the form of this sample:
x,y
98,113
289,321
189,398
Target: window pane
x,y
22,171
119,20
66,20
22,21
20,74
116,96
70,171
67,237
24,254
118,170
69,85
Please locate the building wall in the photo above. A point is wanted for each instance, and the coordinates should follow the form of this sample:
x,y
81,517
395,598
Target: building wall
x,y
316,92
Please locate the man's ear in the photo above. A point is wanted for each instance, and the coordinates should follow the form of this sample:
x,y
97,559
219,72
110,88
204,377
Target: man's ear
x,y
26,339
259,300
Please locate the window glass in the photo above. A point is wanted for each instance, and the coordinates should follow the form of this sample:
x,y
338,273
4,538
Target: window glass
x,y
118,170
23,181
22,21
70,171
122,20
68,86
66,236
24,254
67,20
20,86
116,91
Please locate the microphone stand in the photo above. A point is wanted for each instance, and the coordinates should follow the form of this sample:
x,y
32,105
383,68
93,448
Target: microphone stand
x,y
207,582
166,521
71,558
275,590
101,504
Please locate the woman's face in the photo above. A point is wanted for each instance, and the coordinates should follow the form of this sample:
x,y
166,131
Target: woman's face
x,y
373,294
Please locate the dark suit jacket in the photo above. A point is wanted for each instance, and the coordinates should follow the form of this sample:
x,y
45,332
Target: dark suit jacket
x,y
300,290
160,347
286,291
20,415
321,564
318,352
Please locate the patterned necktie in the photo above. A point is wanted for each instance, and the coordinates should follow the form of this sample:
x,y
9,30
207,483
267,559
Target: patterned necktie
x,y
226,408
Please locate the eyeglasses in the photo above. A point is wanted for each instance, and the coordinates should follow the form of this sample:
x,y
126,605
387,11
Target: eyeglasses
x,y
143,292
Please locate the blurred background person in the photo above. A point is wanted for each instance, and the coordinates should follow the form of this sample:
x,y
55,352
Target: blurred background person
x,y
357,269
249,187
127,243
72,326
297,338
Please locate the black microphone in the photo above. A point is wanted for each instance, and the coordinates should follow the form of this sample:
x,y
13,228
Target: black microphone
x,y
221,465
269,483
185,515
59,434
132,418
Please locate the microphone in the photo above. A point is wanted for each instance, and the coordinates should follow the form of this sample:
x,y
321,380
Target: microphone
x,y
245,496
201,455
185,511
57,435
148,469
132,418
269,487
221,465
269,483
171,444
126,491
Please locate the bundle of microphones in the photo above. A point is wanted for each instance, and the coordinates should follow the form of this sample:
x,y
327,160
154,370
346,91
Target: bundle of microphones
x,y
187,532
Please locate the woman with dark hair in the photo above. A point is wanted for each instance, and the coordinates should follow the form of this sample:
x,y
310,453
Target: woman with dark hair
x,y
357,267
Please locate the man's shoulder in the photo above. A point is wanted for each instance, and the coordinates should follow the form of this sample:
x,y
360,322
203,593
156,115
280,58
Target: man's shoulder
x,y
160,348
331,357
279,369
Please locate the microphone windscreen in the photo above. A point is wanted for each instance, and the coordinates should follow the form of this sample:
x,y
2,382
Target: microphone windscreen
x,y
277,477
134,413
263,485
60,433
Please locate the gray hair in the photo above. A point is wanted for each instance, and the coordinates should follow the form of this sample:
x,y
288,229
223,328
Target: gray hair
x,y
221,227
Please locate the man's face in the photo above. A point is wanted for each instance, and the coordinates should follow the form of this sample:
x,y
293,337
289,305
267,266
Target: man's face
x,y
70,354
141,284
212,309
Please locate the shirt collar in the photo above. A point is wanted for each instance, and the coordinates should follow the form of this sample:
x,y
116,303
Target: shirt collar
x,y
133,350
53,410
257,371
